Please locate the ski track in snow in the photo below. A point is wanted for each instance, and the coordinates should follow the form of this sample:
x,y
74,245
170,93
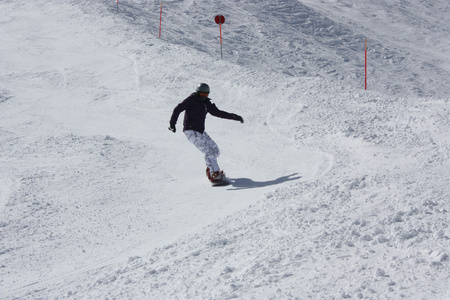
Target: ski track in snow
x,y
336,192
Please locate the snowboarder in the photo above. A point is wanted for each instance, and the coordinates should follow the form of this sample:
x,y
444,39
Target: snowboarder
x,y
196,107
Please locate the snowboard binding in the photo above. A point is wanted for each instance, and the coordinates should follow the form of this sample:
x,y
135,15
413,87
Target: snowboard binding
x,y
217,178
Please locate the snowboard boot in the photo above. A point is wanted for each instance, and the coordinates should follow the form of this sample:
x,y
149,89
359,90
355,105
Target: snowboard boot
x,y
217,176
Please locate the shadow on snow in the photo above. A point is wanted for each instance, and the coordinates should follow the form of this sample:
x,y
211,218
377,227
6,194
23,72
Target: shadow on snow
x,y
247,183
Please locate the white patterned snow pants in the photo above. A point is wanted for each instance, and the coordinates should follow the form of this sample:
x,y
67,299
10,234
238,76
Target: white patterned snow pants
x,y
207,146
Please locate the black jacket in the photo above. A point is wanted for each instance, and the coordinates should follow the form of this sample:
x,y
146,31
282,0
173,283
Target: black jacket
x,y
196,108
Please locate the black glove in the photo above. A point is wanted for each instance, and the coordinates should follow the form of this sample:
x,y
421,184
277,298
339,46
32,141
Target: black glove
x,y
238,118
172,128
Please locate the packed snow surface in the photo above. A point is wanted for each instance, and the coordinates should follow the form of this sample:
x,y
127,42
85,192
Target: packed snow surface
x,y
336,191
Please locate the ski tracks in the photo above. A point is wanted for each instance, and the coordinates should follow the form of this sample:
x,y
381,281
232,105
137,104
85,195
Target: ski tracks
x,y
315,162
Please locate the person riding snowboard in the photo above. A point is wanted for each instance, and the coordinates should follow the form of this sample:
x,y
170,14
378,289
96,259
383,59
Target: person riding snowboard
x,y
195,108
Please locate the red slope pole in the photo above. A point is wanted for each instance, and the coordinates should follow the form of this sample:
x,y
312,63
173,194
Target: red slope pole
x,y
220,28
160,20
365,68
220,20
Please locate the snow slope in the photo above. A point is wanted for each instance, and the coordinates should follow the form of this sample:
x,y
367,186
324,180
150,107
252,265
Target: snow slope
x,y
336,192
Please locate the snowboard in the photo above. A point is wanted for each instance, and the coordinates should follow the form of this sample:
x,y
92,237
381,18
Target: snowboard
x,y
220,183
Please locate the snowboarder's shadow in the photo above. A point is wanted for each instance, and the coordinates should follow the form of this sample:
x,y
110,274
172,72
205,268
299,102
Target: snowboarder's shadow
x,y
247,183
